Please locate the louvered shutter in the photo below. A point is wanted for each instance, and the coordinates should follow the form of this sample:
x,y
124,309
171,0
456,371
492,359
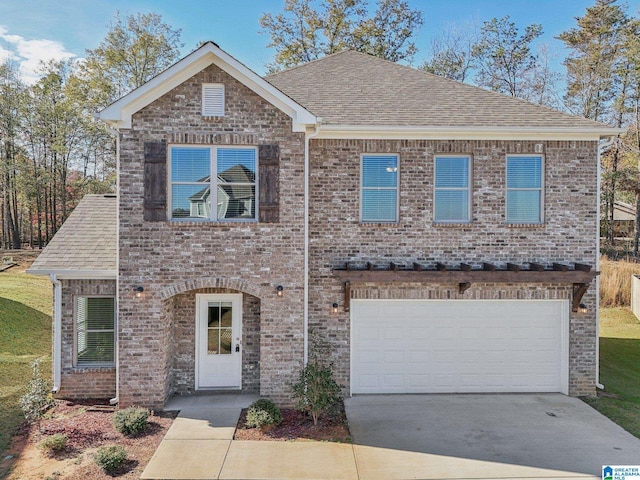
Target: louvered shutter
x,y
213,100
155,181
269,183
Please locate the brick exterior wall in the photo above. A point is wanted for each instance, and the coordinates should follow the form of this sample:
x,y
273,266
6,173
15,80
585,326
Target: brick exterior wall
x,y
173,258
82,382
568,234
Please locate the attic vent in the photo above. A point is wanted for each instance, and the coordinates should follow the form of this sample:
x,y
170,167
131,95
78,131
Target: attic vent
x,y
212,100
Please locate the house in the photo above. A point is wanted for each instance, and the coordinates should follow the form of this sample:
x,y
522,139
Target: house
x,y
624,219
421,234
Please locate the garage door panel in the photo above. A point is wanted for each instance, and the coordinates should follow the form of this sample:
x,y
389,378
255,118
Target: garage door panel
x,y
457,346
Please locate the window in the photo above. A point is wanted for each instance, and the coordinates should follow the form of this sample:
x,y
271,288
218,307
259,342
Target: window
x,y
379,188
452,193
95,331
230,172
213,100
524,189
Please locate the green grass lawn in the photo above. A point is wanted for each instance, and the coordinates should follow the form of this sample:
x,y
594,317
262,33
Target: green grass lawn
x,y
25,334
620,368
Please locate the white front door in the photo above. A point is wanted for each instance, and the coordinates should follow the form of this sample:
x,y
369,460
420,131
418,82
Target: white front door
x,y
219,341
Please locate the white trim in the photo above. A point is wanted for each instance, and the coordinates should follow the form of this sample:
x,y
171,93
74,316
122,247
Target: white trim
x,y
77,274
469,157
542,204
119,113
397,187
564,332
392,132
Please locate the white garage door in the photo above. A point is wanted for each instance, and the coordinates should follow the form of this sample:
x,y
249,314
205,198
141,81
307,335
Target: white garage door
x,y
433,346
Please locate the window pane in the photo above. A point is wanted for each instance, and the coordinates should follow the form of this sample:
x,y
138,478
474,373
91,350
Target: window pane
x,y
523,206
236,201
190,201
379,205
213,341
225,341
100,313
214,315
452,206
190,164
236,165
380,171
452,172
524,172
225,317
97,348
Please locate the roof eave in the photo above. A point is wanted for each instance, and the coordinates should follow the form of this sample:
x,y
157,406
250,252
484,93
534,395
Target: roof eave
x,y
67,274
387,132
119,113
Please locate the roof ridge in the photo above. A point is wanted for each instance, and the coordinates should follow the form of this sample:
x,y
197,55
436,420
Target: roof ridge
x,y
315,60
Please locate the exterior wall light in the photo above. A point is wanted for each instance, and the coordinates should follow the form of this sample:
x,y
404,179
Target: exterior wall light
x,y
582,308
279,290
334,308
139,289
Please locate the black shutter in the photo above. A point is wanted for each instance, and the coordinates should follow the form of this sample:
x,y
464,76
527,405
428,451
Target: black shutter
x,y
155,181
269,183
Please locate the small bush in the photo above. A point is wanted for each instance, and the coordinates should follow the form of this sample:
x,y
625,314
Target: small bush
x,y
263,412
38,398
131,420
54,443
109,458
316,391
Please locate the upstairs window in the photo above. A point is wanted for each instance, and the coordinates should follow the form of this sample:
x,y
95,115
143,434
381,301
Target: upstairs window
x,y
452,197
524,189
95,331
228,172
379,188
213,100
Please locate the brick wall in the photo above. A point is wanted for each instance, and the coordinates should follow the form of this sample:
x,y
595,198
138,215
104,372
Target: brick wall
x,y
568,234
81,382
172,258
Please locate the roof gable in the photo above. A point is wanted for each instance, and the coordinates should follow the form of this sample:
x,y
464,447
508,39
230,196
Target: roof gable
x,y
356,93
119,113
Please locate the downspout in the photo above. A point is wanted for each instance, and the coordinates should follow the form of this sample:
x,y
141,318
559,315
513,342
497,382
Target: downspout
x,y
116,133
307,138
57,332
601,148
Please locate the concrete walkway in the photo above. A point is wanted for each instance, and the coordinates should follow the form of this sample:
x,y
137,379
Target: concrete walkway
x,y
200,445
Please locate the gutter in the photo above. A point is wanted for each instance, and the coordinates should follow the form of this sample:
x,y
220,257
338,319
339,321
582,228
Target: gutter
x,y
307,138
57,332
601,148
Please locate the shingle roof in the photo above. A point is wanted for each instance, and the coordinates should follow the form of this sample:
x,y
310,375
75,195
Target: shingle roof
x,y
86,241
352,88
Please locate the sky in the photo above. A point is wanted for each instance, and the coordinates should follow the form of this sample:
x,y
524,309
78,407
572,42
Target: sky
x,y
35,30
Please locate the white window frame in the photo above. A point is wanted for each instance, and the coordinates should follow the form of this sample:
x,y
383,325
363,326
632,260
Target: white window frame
x,y
217,113
213,183
76,363
541,220
469,187
396,188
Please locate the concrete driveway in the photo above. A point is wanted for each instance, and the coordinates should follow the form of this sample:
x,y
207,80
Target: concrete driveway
x,y
485,436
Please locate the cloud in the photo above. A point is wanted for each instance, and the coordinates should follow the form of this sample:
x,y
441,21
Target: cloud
x,y
29,53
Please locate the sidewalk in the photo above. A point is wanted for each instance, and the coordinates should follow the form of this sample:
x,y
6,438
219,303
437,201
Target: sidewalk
x,y
200,445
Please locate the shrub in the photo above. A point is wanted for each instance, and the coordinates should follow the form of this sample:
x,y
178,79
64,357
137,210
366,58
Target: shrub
x,y
316,391
54,443
38,398
263,412
131,420
109,458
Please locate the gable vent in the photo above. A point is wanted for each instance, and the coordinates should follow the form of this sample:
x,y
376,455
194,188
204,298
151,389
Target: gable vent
x,y
212,100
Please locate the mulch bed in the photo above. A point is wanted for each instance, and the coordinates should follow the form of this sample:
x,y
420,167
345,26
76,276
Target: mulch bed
x,y
298,426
